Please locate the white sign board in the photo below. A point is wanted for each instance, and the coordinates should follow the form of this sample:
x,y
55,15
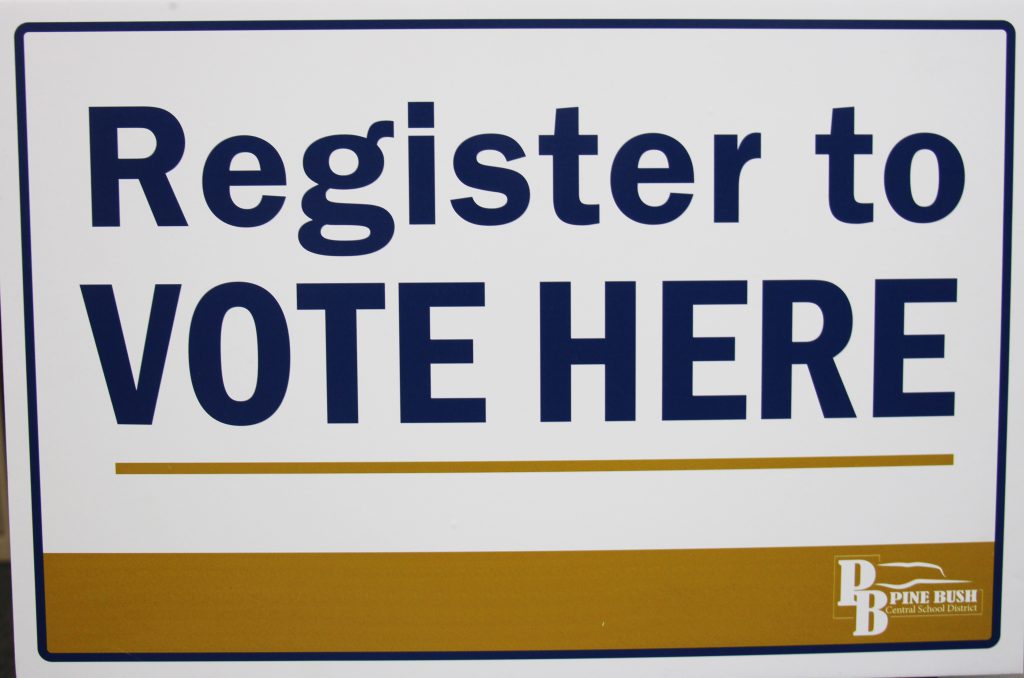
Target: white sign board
x,y
446,341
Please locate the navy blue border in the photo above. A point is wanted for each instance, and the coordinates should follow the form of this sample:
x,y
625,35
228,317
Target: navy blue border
x,y
506,24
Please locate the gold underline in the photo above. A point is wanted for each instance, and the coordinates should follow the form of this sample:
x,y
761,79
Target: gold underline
x,y
538,466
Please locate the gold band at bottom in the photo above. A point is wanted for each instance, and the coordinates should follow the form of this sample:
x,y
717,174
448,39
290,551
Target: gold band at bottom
x,y
484,601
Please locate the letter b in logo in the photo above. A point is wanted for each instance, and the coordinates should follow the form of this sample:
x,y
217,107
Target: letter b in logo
x,y
855,580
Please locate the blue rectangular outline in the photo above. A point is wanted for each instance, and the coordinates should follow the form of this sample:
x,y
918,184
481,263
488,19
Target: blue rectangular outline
x,y
508,24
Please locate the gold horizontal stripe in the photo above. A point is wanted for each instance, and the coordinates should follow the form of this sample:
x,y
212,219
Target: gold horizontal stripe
x,y
552,466
480,601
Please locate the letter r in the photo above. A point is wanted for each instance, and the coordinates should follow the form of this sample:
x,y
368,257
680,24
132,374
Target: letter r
x,y
108,168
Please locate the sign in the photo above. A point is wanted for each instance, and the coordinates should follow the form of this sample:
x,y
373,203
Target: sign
x,y
439,341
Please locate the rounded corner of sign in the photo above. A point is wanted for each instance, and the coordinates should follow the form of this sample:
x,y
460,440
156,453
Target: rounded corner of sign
x,y
1006,26
45,654
23,29
992,640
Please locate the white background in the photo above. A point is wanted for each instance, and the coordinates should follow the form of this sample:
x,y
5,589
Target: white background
x,y
242,83
293,88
